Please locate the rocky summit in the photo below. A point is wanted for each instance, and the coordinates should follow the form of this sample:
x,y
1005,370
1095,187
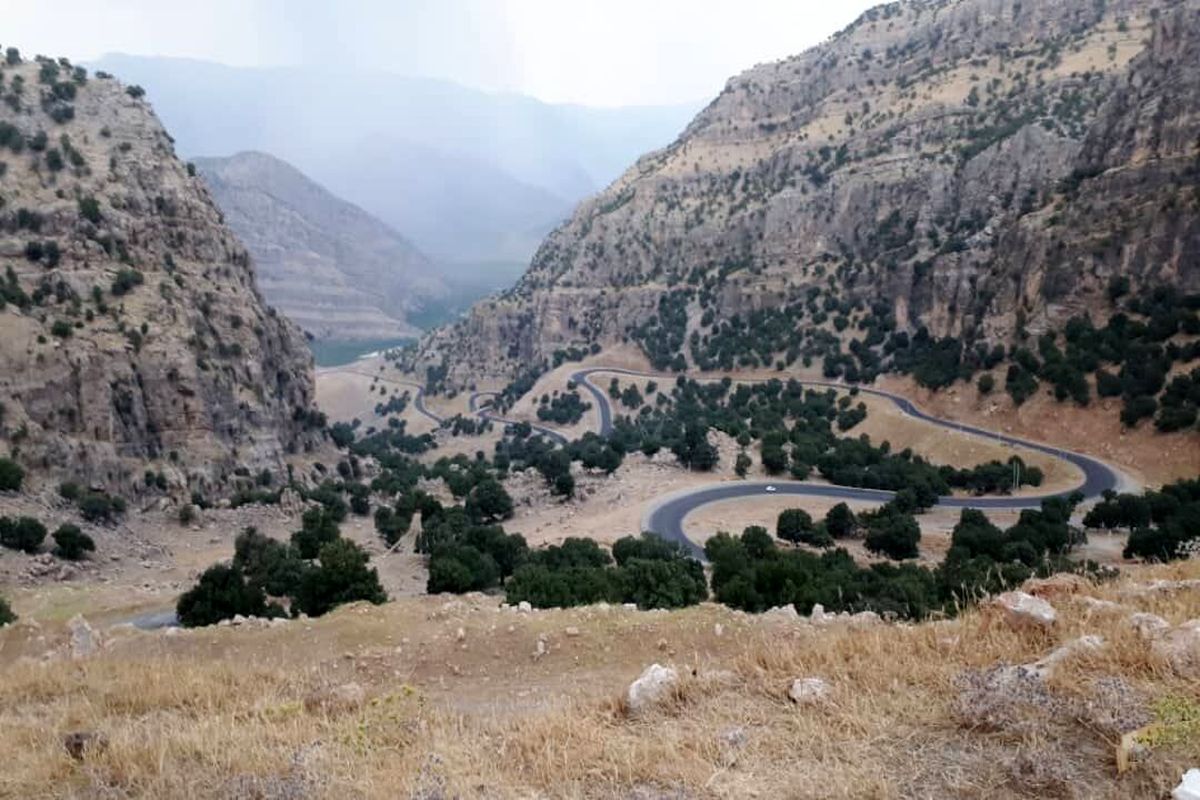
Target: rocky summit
x,y
134,337
982,169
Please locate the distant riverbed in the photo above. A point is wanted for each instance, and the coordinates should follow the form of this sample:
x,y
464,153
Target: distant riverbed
x,y
336,352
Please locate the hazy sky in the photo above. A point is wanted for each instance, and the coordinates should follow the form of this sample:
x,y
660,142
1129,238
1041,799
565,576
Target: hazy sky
x,y
597,52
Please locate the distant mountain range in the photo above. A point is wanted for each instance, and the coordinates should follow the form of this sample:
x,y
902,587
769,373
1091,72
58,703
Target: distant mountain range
x,y
335,270
466,175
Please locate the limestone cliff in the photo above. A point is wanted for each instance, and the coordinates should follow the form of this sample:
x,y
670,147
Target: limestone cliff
x,y
979,167
134,338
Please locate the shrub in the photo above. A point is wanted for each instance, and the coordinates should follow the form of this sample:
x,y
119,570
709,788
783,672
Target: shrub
x,y
11,475
89,209
135,91
23,533
61,329
101,506
125,281
6,613
986,383
72,543
221,593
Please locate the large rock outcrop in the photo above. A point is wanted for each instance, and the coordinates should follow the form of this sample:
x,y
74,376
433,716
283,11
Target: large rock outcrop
x,y
134,338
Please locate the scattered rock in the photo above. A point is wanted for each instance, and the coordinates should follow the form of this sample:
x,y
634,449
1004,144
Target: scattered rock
x,y
1180,648
809,691
541,648
84,639
1060,585
339,699
524,607
460,635
655,685
731,741
1045,667
572,631
1148,626
1022,611
80,744
718,630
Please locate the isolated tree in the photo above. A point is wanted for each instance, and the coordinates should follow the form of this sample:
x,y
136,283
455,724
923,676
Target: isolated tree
x,y
72,543
794,525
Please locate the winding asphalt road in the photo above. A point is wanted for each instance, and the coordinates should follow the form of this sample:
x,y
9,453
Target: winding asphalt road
x,y
666,517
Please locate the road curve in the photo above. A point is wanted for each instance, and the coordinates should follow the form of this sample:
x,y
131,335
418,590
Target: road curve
x,y
666,517
484,413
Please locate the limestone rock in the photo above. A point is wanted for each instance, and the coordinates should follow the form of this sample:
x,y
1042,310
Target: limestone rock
x,y
1022,611
1180,647
809,691
654,686
85,640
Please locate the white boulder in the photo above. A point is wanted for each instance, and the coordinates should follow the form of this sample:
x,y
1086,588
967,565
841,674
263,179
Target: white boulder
x,y
653,686
1023,611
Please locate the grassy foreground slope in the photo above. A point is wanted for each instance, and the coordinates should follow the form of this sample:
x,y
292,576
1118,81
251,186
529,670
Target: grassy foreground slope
x,y
428,698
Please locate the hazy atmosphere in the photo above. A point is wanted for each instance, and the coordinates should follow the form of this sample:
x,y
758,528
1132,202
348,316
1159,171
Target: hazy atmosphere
x,y
670,51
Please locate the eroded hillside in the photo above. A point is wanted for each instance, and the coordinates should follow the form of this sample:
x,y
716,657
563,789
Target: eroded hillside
x,y
134,339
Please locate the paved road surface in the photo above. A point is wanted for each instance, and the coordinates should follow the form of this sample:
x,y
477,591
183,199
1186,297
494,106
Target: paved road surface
x,y
666,517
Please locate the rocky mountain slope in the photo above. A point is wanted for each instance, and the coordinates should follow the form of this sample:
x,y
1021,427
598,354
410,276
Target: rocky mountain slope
x,y
332,268
134,339
981,168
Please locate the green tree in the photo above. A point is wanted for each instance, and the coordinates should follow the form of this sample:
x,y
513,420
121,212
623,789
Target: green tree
x,y
840,522
72,543
221,593
318,527
267,563
893,534
794,525
344,576
489,502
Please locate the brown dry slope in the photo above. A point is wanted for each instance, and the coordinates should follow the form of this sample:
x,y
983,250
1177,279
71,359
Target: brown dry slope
x,y
134,337
428,698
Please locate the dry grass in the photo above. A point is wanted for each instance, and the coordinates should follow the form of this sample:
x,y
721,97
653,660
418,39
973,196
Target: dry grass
x,y
221,713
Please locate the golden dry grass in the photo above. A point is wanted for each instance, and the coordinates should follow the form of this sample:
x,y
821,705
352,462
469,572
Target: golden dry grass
x,y
221,712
